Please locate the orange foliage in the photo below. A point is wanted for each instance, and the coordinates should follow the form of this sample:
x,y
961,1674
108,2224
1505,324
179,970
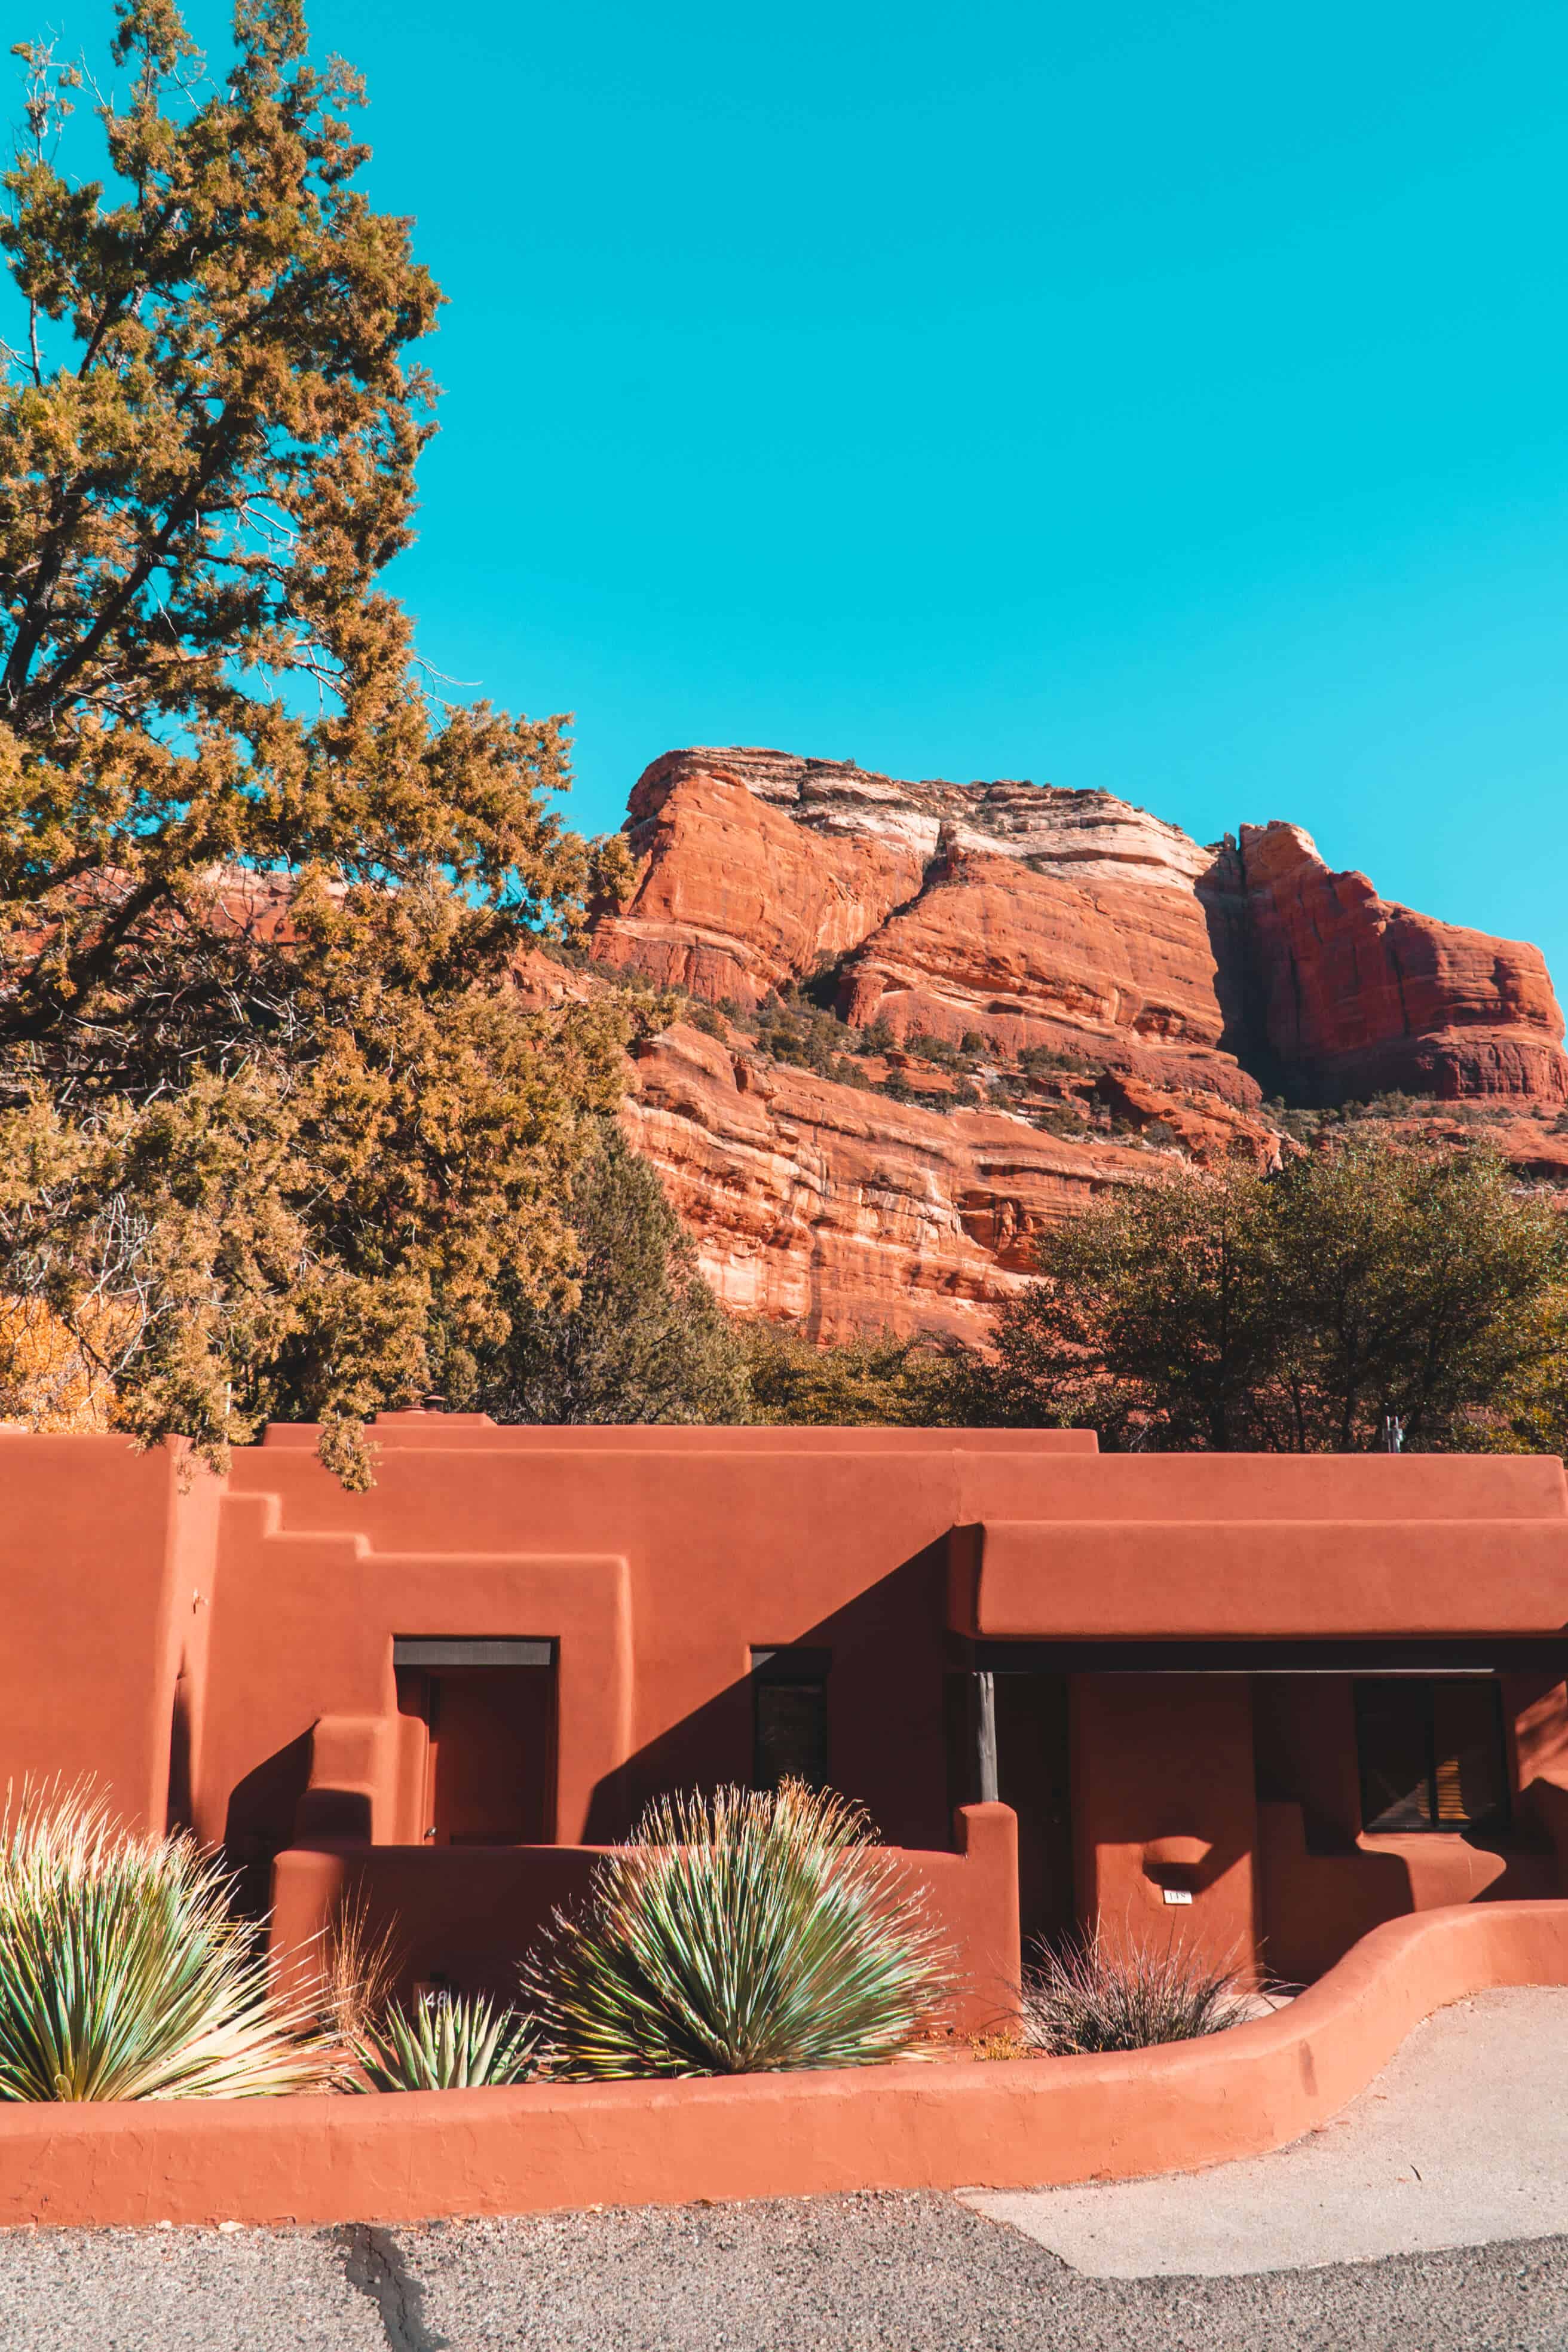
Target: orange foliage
x,y
47,1379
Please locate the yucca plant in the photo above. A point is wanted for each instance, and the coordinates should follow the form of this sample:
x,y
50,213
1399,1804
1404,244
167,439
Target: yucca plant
x,y
1096,1994
739,1933
123,1972
450,2042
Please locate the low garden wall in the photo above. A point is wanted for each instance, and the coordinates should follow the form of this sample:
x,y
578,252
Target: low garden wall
x,y
1003,2124
466,1914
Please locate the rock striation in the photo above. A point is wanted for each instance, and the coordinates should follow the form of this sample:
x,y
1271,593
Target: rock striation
x,y
1022,914
736,899
998,949
833,1208
1346,996
1156,990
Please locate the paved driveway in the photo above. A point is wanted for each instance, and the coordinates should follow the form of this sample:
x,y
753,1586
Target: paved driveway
x,y
1461,2141
913,2272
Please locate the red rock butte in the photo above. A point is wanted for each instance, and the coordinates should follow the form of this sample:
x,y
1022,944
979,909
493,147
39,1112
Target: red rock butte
x,y
1010,918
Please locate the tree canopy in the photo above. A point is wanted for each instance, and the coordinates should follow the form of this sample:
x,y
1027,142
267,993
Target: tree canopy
x,y
645,1339
276,1135
877,1381
1295,1313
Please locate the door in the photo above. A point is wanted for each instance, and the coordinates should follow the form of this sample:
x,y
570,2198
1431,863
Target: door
x,y
1032,1777
489,1777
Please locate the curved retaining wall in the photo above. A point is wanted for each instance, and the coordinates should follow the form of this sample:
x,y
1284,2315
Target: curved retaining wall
x,y
1007,2124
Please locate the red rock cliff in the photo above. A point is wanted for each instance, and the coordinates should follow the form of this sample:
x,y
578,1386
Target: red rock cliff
x,y
1170,985
735,898
1352,997
1021,914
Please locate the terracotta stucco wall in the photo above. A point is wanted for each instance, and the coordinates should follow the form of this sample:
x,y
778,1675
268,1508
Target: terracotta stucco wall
x,y
260,1620
720,1549
102,1552
1162,1802
547,2145
471,1915
1327,1881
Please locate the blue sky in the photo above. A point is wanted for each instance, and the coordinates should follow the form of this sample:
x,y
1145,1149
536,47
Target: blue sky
x,y
1165,398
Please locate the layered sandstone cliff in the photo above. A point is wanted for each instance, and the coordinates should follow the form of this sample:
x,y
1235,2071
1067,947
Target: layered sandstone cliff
x,y
1000,950
1110,993
1021,914
837,1208
1344,995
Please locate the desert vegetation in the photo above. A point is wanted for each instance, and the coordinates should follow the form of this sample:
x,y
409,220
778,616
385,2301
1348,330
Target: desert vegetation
x,y
1294,1313
1099,1992
739,1933
743,1931
443,2042
879,1381
277,1135
642,1339
126,1974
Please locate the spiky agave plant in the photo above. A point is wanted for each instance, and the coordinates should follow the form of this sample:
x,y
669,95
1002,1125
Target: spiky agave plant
x,y
1096,1994
450,2042
739,1933
123,1972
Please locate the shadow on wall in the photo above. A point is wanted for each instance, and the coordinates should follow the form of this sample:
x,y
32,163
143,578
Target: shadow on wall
x,y
260,1823
465,1914
1317,1904
885,1738
181,1812
885,1745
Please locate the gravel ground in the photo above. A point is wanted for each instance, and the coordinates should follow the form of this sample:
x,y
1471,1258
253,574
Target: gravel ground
x,y
196,2290
909,2274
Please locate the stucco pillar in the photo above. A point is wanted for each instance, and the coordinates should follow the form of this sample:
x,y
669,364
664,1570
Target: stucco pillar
x,y
1164,1813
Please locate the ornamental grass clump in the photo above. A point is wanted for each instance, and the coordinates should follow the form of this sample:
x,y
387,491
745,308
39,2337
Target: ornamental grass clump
x,y
125,1975
1096,1995
739,1933
448,2042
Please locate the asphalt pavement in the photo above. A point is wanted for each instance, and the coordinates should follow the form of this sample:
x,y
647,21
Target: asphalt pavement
x,y
909,2274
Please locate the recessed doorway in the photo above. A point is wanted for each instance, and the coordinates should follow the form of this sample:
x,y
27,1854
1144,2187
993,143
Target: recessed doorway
x,y
1033,1777
489,1715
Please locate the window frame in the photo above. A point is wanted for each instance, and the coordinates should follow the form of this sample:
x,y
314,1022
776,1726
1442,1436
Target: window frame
x,y
1498,1816
797,1668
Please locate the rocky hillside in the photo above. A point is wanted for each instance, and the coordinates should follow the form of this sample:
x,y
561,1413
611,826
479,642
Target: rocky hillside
x,y
929,1018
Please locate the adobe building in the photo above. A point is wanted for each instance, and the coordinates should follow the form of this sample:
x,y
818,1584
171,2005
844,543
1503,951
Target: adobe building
x,y
1264,1701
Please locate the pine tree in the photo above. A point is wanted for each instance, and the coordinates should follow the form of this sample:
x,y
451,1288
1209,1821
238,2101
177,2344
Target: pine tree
x,y
646,1339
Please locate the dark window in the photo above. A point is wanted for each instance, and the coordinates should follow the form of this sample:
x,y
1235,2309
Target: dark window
x,y
1432,1754
789,1700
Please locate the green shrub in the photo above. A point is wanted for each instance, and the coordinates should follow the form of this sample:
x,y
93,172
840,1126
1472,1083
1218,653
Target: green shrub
x,y
739,1933
928,1048
125,1975
793,1029
1097,1995
705,1018
879,1380
450,2042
